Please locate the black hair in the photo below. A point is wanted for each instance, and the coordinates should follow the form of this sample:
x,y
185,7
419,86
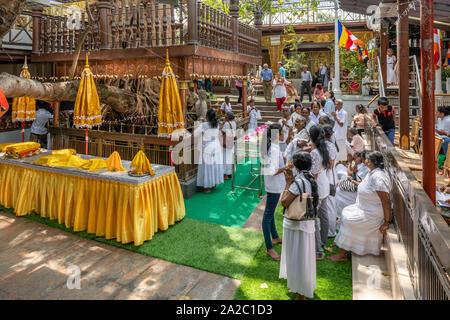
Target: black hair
x,y
251,100
354,131
227,98
212,118
267,137
302,161
325,119
307,108
383,101
315,102
444,109
327,131
376,157
361,154
323,102
318,138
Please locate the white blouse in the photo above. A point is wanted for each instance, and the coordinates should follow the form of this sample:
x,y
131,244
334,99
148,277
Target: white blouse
x,y
307,225
323,183
272,162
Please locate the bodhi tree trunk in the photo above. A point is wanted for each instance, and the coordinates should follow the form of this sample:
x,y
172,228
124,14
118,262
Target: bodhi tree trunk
x,y
120,100
9,11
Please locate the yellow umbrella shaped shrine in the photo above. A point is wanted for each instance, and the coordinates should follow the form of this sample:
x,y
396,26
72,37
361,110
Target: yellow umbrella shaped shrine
x,y
170,111
24,108
87,112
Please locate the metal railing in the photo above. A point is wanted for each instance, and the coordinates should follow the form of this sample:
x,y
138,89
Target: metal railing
x,y
417,80
423,231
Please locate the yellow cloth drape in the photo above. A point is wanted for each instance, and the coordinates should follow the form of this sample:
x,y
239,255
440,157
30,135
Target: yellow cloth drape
x,y
24,108
128,213
87,111
170,111
115,163
141,164
22,147
4,145
72,161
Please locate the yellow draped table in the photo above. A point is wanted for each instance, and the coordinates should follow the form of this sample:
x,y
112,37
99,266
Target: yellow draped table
x,y
107,204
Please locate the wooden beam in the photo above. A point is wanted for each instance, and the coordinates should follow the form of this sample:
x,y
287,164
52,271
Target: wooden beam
x,y
383,50
403,73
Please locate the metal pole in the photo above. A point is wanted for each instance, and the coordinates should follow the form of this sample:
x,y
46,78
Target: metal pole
x,y
428,113
337,75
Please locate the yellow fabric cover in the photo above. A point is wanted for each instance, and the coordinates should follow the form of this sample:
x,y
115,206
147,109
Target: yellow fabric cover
x,y
170,111
94,165
24,108
115,163
87,111
65,151
22,147
128,213
141,165
4,145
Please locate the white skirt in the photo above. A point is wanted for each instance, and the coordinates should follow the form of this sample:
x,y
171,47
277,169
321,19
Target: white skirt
x,y
359,231
344,199
210,171
391,76
298,261
342,154
228,161
331,212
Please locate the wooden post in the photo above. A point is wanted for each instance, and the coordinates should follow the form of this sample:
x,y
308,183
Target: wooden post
x,y
403,73
183,91
234,13
192,36
56,114
428,113
37,17
383,51
104,8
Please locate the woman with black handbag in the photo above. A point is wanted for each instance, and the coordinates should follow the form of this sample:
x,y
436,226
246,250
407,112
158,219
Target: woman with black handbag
x,y
298,263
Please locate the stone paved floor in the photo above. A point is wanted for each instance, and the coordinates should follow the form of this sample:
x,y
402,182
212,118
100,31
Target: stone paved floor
x,y
35,261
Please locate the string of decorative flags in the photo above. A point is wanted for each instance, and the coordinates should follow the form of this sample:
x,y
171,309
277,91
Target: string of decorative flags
x,y
348,41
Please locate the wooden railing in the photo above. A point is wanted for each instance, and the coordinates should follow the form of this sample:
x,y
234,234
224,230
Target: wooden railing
x,y
121,24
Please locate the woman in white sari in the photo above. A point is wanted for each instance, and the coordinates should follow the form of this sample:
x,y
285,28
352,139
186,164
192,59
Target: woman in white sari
x,y
210,168
298,263
347,189
364,223
229,133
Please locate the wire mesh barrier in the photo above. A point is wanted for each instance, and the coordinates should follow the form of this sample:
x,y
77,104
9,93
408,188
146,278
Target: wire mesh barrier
x,y
421,228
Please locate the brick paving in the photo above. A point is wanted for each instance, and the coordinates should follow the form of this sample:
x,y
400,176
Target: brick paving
x,y
35,261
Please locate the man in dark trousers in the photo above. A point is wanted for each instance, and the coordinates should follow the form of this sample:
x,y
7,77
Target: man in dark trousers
x,y
385,116
306,83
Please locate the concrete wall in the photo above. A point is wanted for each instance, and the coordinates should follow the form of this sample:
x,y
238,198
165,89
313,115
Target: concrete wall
x,y
350,102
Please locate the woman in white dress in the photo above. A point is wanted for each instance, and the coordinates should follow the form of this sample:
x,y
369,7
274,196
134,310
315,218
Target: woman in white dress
x,y
364,223
210,168
251,111
347,189
298,263
229,133
274,182
320,163
332,177
391,60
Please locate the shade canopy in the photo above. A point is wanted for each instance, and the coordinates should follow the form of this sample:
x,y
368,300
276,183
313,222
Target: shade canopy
x,y
87,112
24,108
170,111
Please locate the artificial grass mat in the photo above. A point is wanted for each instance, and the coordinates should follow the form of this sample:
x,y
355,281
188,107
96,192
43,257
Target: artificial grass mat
x,y
223,207
334,279
202,245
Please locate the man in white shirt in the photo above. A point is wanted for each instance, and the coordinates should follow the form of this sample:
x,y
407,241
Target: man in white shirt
x,y
226,106
279,90
306,83
340,130
323,74
38,128
286,125
443,125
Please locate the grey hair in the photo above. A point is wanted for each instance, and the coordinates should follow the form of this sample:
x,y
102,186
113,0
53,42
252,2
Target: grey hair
x,y
265,64
376,157
325,119
302,120
230,115
339,101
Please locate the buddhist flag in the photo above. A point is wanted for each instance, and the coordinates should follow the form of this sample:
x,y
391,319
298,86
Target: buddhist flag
x,y
437,48
348,41
447,59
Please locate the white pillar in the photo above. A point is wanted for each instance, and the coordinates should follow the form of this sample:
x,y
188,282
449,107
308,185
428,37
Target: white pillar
x,y
438,80
337,76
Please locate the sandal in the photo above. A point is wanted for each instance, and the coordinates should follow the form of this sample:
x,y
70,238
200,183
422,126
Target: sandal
x,y
277,240
273,254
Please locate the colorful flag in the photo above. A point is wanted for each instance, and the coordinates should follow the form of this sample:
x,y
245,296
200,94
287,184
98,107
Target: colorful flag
x,y
437,48
447,59
348,41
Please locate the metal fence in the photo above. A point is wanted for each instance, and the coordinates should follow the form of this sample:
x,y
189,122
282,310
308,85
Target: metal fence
x,y
423,231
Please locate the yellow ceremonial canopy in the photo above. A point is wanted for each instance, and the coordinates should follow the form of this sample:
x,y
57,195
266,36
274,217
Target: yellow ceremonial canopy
x,y
24,108
87,112
170,111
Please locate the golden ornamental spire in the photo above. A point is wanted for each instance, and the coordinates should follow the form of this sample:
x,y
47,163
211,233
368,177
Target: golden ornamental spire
x,y
87,62
25,65
167,58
